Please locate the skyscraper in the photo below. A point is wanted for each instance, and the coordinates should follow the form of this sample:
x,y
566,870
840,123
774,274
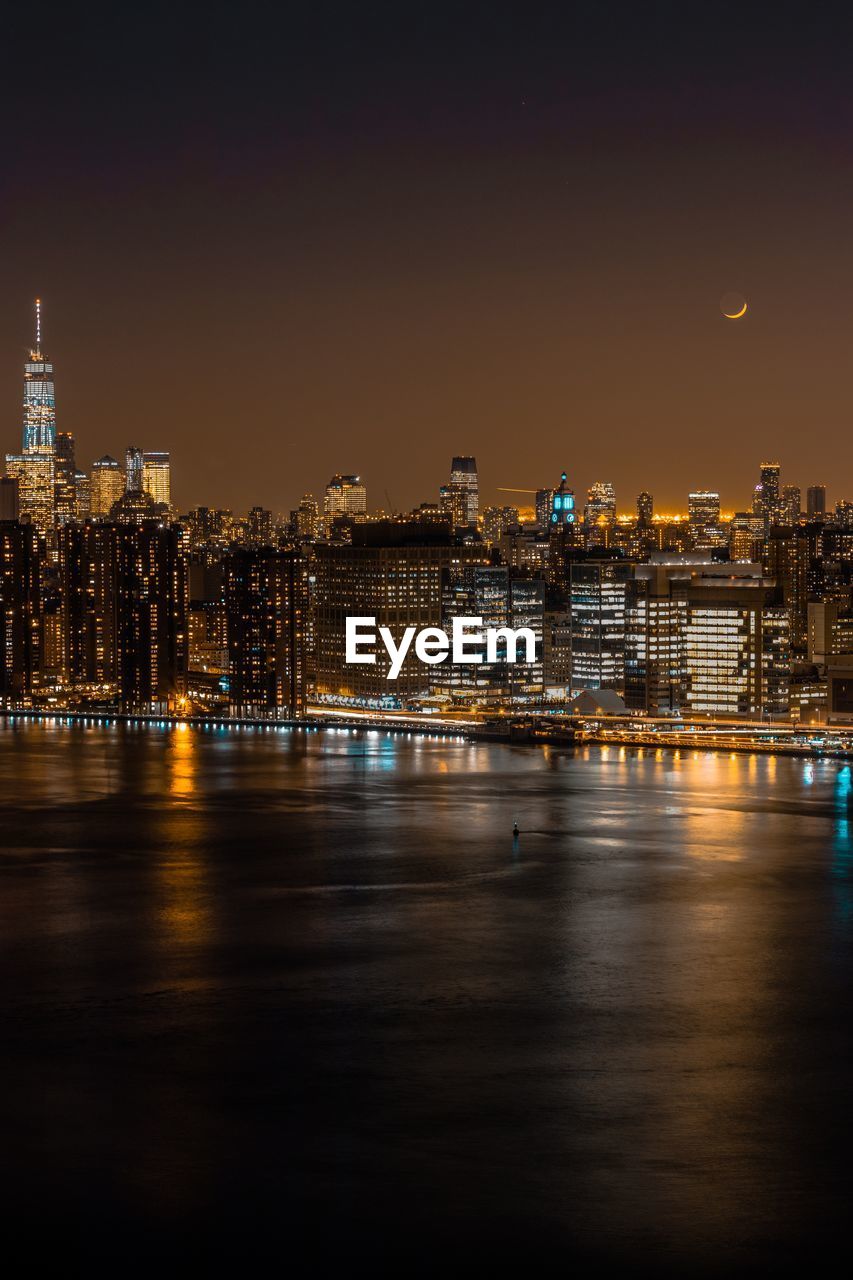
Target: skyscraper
x,y
645,507
157,476
769,485
65,478
703,509
133,469
34,467
464,491
21,612
345,495
600,512
265,603
107,485
39,397
816,501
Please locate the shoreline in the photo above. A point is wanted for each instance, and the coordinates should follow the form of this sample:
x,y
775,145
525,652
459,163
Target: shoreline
x,y
529,736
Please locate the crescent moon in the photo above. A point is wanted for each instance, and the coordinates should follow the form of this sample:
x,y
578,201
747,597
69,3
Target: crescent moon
x,y
737,314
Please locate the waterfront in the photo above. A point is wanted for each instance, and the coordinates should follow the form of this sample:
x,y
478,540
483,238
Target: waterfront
x,y
265,989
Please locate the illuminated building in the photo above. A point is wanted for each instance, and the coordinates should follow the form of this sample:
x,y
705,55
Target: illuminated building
x,y
502,601
736,647
106,486
497,521
83,495
654,622
133,469
597,595
87,561
133,507
703,513
345,495
746,532
544,502
35,473
830,630
527,550
768,491
816,501
65,478
599,513
307,517
392,571
557,651
464,491
265,606
157,477
260,531
645,507
790,505
20,613
39,428
208,624
789,557
151,616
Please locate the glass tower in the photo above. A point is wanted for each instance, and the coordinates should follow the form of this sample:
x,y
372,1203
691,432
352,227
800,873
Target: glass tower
x,y
39,398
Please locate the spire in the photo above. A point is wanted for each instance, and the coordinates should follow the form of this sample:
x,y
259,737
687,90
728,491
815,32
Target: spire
x,y
38,326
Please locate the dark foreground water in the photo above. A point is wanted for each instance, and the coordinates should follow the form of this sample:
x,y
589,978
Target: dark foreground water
x,y
266,993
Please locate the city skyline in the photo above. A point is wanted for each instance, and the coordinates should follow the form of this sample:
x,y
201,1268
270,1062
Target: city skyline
x,y
41,420
343,249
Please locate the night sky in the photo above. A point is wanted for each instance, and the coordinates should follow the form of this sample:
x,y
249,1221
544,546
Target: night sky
x,y
285,241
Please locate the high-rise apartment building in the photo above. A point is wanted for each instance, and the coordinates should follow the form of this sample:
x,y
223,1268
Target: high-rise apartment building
x,y
645,507
790,504
20,612
87,563
497,521
769,492
265,607
464,491
816,501
345,496
151,615
306,518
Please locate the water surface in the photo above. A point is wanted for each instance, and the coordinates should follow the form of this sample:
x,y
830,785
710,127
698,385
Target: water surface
x,y
266,990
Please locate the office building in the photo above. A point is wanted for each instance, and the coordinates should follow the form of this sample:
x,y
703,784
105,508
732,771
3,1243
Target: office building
x,y
133,469
703,513
345,496
492,593
157,477
392,571
65,476
464,491
106,486
790,505
769,494
599,513
597,601
306,518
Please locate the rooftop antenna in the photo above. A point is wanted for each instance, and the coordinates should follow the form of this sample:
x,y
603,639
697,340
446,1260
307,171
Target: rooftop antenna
x,y
38,325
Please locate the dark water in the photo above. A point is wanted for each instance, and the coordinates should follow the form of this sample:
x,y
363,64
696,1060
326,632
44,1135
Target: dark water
x,y
265,992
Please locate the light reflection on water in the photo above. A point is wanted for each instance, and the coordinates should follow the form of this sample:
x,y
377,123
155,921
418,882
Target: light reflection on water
x,y
625,1031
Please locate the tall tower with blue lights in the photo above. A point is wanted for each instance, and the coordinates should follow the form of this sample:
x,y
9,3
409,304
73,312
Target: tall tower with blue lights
x,y
39,434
